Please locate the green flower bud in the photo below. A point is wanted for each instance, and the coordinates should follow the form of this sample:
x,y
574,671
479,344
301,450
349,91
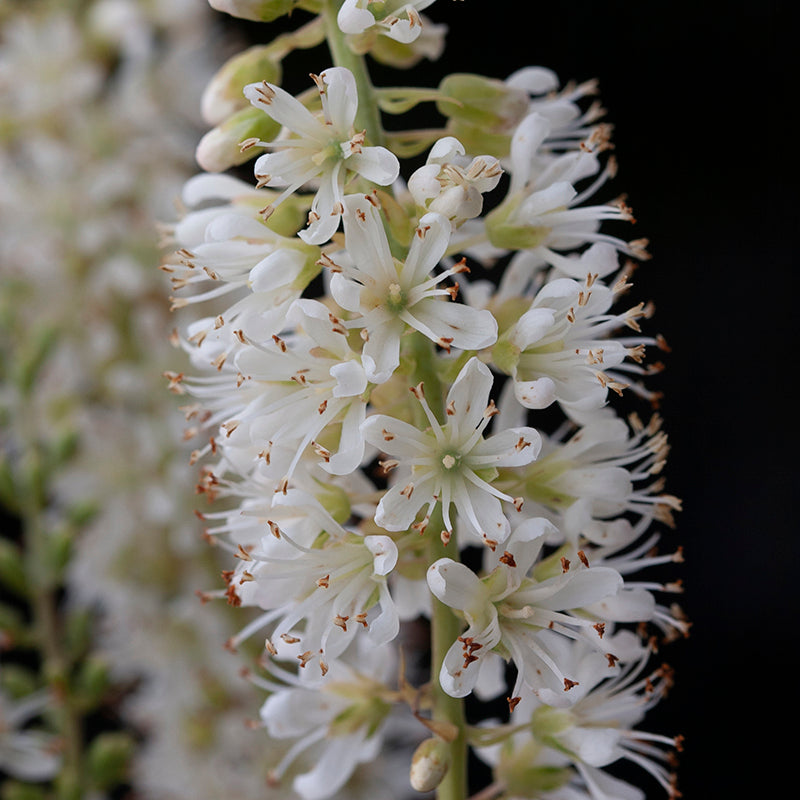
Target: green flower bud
x,y
222,147
256,10
108,758
12,569
485,103
223,96
429,764
92,682
17,681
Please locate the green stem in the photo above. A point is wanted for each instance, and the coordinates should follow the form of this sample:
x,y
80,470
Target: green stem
x,y
368,116
445,625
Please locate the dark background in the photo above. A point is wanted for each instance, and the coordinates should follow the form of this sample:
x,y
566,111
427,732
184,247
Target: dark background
x,y
700,96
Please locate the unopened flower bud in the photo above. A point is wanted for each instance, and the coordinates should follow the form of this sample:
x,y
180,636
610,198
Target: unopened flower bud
x,y
429,764
223,96
221,148
257,10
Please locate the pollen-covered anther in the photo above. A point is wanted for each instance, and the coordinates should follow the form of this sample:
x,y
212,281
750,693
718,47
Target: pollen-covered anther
x,y
267,211
388,465
600,627
513,702
265,92
408,489
304,658
445,536
612,659
246,577
418,391
361,619
242,553
521,444
508,559
636,353
357,141
322,452
568,684
518,503
247,144
326,261
269,647
491,410
175,380
565,564
289,639
422,525
444,342
324,582
341,621
451,409
229,427
582,557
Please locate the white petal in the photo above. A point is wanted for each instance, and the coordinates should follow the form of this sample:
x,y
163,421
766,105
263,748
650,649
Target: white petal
x,y
384,551
350,378
397,510
469,395
286,110
515,447
340,98
535,394
455,584
376,164
352,19
395,436
276,270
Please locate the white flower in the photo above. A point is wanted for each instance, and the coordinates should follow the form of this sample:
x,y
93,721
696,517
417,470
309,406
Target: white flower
x,y
452,184
599,729
590,485
507,611
336,726
321,149
397,19
451,464
569,126
542,211
566,349
278,398
391,295
327,591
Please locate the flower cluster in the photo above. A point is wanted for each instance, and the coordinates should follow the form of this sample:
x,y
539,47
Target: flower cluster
x,y
371,420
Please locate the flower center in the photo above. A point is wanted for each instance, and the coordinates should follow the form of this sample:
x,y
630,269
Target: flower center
x,y
396,299
451,460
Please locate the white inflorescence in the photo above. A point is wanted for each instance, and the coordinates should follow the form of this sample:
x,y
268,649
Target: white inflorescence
x,y
372,426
